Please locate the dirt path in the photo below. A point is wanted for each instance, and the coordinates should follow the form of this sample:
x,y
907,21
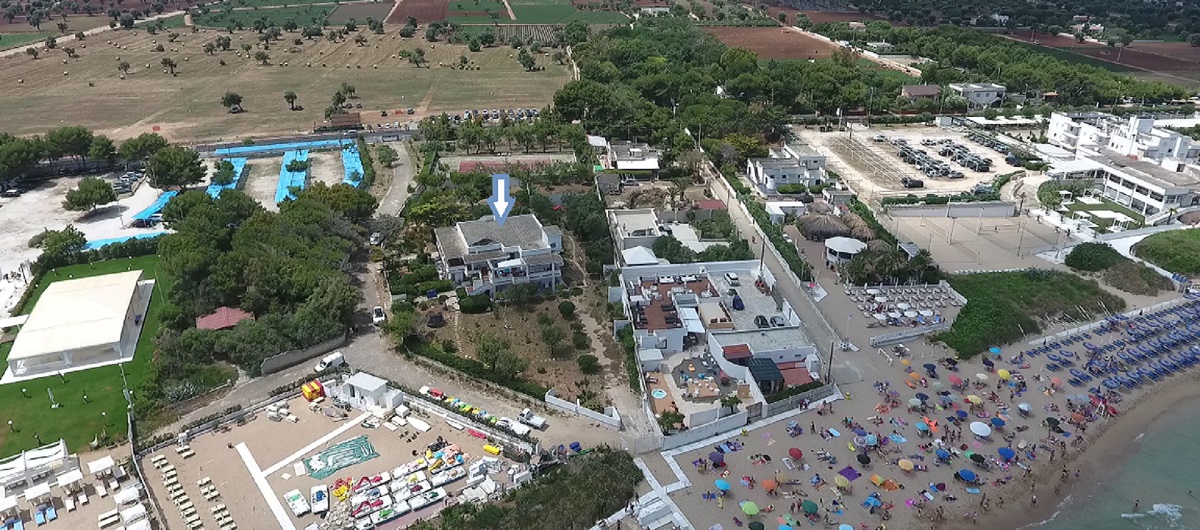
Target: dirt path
x,y
511,16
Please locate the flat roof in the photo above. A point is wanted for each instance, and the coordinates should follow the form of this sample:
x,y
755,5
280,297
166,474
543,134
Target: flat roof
x,y
769,339
77,314
628,222
1151,172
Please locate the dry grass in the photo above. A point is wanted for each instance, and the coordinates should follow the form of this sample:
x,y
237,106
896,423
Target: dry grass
x,y
38,95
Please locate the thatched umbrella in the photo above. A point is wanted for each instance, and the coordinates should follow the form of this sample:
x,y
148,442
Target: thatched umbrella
x,y
879,245
821,227
1190,218
818,207
859,229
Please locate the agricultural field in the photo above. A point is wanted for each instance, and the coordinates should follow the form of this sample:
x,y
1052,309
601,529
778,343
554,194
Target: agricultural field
x,y
773,43
13,40
1170,62
425,11
304,16
476,11
359,12
821,17
186,106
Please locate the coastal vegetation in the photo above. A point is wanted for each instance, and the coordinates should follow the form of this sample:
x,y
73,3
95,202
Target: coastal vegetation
x,y
1116,270
1003,307
1176,251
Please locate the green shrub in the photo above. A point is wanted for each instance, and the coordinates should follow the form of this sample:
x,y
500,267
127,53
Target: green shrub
x,y
474,369
581,340
567,309
473,305
1093,257
631,362
793,391
1136,278
588,364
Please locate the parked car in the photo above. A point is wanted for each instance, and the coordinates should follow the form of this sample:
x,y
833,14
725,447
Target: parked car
x,y
332,360
377,316
761,322
778,322
376,239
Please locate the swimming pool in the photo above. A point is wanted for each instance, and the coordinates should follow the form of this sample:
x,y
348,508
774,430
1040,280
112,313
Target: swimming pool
x,y
658,393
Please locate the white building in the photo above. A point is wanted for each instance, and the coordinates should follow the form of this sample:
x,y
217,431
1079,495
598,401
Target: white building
x,y
80,324
779,210
1135,136
637,159
790,164
1144,186
483,256
979,94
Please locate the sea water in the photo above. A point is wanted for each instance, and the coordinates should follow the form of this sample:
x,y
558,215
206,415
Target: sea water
x,y
1162,466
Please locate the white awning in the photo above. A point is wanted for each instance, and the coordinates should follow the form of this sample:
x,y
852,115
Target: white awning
x,y
639,256
638,165
69,478
143,524
845,245
100,466
9,322
137,512
37,492
128,495
8,503
691,320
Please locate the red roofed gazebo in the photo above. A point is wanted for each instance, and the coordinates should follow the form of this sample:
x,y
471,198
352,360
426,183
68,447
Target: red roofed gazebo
x,y
223,318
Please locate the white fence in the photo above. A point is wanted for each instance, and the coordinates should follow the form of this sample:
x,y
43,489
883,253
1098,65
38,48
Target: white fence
x,y
610,418
707,430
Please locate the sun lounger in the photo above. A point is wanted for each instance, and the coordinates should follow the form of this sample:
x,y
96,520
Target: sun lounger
x,y
100,489
109,518
188,454
185,505
229,526
180,449
18,524
51,513
69,502
195,524
81,498
204,481
39,517
193,516
190,512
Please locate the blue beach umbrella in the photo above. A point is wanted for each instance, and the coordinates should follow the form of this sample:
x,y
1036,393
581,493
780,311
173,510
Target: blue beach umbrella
x,y
722,485
1006,453
966,474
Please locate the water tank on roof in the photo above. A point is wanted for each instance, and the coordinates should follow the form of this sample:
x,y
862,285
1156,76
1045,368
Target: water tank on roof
x,y
738,304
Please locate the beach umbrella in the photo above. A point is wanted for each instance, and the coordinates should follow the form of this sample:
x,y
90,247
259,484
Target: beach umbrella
x,y
842,482
1053,422
921,426
749,508
785,527
864,459
936,385
1004,374
809,507
905,362
722,485
980,429
756,525
955,380
914,402
795,453
771,485
860,432
974,399
872,439
915,376
995,350
1055,381
966,474
1006,453
1077,417
998,422
845,527
988,363
781,477
906,464
977,458
717,458
942,453
1024,407
922,397
981,376
960,413
1022,444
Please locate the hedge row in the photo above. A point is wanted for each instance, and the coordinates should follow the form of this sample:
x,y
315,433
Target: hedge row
x,y
128,249
861,209
474,369
368,163
209,418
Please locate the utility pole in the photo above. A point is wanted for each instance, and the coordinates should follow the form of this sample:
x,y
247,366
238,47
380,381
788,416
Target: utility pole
x,y
829,369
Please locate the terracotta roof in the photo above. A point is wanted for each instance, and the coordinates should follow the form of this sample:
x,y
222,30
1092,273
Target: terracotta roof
x,y
710,204
223,318
796,376
736,351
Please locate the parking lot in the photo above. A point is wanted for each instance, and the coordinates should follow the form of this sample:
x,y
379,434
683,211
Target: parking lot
x,y
892,161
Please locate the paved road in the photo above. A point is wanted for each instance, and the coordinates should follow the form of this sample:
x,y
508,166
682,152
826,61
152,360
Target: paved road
x,y
403,175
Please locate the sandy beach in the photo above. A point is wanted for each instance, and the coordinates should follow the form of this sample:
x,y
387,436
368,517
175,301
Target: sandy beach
x,y
1106,438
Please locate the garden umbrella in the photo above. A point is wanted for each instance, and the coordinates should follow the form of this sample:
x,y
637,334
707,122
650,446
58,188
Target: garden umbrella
x,y
872,439
914,402
1022,444
980,429
915,376
930,366
749,508
955,380
1053,422
757,525
997,422
967,475
936,384
781,477
942,453
841,481
795,453
1004,374
1077,418
809,507
975,400
1024,407
988,363
1006,453
860,432
960,413
722,485
864,459
906,464
981,376
770,484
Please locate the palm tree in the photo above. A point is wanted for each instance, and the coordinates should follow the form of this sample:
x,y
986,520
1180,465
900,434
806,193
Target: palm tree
x,y
290,98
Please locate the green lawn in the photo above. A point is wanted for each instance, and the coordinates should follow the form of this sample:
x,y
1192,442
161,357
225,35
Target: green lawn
x,y
564,13
303,16
1003,307
75,421
1176,251
1106,204
13,40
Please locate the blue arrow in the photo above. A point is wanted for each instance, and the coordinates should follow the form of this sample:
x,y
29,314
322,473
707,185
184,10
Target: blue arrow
x,y
500,201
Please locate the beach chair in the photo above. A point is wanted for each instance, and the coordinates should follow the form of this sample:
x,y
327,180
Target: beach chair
x,y
100,490
180,449
81,498
69,502
39,517
51,513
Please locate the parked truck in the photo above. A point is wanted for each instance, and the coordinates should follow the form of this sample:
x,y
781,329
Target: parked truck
x,y
533,420
513,426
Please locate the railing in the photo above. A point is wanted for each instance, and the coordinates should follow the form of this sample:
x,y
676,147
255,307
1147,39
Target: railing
x,y
901,336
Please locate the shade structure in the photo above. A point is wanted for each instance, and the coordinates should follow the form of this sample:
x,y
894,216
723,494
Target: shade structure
x,y
966,474
981,376
770,484
795,453
915,376
35,493
955,380
100,466
756,525
1024,407
722,485
872,439
138,511
717,458
69,479
1006,453
914,402
906,464
942,453
781,477
864,459
980,428
809,507
1004,374
976,457
974,399
1056,381
749,508
127,496
997,422
841,481
8,503
1053,422
1022,444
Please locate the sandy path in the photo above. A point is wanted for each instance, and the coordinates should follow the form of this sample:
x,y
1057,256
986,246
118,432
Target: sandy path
x,y
263,180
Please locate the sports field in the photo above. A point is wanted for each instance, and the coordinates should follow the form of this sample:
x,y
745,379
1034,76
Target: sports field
x,y
187,106
75,421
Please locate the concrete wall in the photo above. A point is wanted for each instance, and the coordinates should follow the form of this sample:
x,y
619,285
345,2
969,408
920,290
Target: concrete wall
x,y
790,404
289,359
954,210
613,421
696,434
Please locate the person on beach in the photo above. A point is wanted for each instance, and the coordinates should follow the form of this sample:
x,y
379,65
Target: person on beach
x,y
1033,500
1135,505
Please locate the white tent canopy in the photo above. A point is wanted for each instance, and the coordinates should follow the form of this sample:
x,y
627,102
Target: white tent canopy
x,y
69,478
7,503
143,524
31,462
127,496
134,513
37,492
100,466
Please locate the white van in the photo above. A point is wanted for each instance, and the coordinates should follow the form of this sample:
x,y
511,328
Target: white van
x,y
732,278
332,360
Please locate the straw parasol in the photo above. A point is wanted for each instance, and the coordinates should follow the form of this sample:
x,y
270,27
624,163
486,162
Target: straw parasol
x,y
859,229
821,227
879,245
820,207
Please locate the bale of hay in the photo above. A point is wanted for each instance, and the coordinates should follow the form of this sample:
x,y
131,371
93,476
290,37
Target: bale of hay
x,y
20,81
65,72
122,76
